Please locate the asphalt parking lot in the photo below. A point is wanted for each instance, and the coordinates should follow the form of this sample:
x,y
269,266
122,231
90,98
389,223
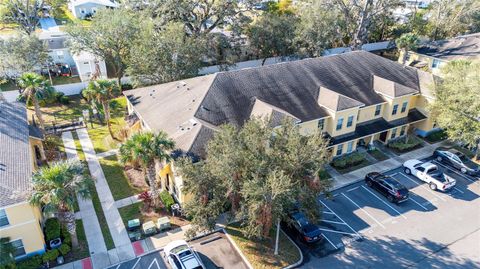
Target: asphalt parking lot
x,y
431,229
215,251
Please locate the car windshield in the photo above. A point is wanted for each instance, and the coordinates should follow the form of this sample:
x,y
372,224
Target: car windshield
x,y
434,171
463,158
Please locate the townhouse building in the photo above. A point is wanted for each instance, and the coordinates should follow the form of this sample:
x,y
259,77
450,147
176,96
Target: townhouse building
x,y
354,98
433,55
19,155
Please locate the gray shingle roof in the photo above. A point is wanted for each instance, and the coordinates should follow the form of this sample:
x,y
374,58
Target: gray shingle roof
x,y
461,47
291,88
15,159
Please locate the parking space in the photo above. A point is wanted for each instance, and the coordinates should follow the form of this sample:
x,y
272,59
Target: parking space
x,y
214,250
358,219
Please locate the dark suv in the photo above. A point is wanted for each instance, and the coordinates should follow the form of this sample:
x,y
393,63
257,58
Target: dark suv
x,y
387,186
308,232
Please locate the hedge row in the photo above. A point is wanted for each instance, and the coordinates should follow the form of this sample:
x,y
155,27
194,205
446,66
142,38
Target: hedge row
x,y
403,145
348,160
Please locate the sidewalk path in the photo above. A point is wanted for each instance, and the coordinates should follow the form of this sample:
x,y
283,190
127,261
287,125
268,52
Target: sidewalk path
x,y
96,244
123,246
392,163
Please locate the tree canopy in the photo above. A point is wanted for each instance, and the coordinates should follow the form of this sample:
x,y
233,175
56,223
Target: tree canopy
x,y
23,13
21,54
457,101
259,172
109,37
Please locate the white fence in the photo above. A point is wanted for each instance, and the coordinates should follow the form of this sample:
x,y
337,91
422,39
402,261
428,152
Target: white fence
x,y
67,89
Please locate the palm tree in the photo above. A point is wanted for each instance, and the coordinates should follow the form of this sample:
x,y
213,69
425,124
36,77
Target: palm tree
x,y
55,188
102,91
34,87
148,149
6,253
406,42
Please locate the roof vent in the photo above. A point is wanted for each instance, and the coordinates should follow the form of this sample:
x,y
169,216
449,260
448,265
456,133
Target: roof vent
x,y
204,108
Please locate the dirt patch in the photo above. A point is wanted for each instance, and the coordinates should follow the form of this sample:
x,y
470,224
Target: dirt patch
x,y
150,214
136,177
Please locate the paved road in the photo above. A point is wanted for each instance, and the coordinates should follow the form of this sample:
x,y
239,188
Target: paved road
x,y
430,230
215,251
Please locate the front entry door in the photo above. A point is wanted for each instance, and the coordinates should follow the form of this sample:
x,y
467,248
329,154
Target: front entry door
x,y
383,136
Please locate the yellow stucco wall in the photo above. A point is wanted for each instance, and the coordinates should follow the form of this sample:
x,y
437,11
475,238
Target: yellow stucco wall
x,y
24,223
343,114
387,112
368,113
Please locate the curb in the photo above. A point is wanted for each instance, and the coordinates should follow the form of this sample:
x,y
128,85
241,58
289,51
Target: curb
x,y
237,249
299,251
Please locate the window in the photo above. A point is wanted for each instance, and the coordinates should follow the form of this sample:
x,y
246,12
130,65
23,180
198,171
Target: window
x,y
349,146
395,109
436,63
339,149
404,107
394,133
18,246
339,124
378,109
321,124
350,121
402,131
3,218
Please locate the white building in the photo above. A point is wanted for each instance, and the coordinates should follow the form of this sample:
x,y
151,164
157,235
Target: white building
x,y
82,9
86,65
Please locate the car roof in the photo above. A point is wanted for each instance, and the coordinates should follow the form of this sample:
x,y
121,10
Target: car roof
x,y
393,182
174,244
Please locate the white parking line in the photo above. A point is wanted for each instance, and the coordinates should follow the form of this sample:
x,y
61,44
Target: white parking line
x,y
136,263
339,218
324,236
423,186
328,212
458,189
365,211
352,189
118,266
384,202
456,172
392,175
331,221
413,200
156,262
337,232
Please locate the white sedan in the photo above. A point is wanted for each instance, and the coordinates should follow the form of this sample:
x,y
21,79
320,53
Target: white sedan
x,y
179,255
429,173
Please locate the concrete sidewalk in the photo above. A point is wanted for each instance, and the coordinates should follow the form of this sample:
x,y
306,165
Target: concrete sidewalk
x,y
340,180
93,232
123,247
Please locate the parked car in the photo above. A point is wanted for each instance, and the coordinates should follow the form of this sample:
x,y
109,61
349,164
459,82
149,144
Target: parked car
x,y
457,160
393,190
180,256
429,173
303,228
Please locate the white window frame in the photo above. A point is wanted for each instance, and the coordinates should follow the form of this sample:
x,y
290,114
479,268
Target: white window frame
x,y
339,149
16,248
339,125
404,107
350,121
395,109
350,147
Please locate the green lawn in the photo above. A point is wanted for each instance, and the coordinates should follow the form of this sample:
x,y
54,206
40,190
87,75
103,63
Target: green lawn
x,y
65,80
118,182
260,253
377,154
61,114
82,250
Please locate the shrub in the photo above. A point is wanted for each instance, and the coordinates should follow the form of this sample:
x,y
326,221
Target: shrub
x,y
127,86
29,263
348,160
52,229
167,200
66,236
50,255
403,145
436,136
64,249
65,100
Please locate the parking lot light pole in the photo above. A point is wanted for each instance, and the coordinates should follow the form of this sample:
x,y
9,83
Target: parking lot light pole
x,y
278,234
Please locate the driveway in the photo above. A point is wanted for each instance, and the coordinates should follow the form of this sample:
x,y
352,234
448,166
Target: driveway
x,y
215,251
430,230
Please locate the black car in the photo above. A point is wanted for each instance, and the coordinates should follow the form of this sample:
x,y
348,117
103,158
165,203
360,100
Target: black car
x,y
305,230
387,186
457,160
